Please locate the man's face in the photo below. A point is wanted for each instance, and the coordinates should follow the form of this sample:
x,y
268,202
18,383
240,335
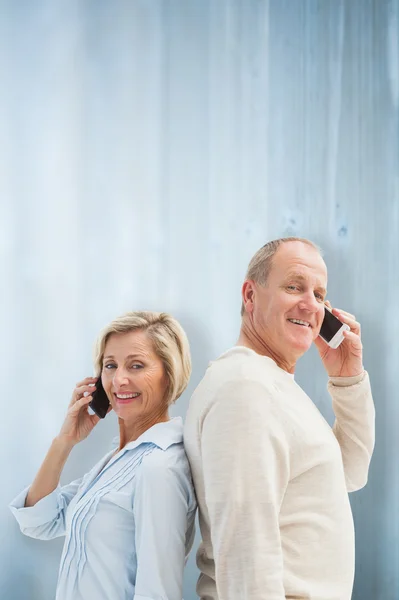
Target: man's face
x,y
288,311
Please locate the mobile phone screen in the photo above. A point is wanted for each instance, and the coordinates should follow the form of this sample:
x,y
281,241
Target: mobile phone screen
x,y
331,325
100,402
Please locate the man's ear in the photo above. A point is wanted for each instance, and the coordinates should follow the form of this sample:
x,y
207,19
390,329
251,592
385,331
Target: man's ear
x,y
248,295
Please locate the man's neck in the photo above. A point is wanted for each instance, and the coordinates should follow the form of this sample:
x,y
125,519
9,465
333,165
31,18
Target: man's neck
x,y
250,339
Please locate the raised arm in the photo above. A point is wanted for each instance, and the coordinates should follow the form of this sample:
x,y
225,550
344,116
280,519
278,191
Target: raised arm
x,y
354,426
40,509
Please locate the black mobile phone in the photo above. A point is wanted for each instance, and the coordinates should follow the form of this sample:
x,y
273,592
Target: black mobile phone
x,y
100,402
332,329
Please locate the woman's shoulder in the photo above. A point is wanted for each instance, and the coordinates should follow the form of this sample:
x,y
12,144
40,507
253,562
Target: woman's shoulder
x,y
171,467
171,458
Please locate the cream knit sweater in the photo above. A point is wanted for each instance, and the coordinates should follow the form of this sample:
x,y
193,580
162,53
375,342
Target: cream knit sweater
x,y
272,477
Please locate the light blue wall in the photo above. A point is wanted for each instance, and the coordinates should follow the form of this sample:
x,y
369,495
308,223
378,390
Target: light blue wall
x,y
147,149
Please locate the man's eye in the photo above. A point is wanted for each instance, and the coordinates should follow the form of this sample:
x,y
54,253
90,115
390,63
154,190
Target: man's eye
x,y
292,287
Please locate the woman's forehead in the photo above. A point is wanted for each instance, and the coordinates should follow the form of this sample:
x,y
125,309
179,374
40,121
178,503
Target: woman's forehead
x,y
130,342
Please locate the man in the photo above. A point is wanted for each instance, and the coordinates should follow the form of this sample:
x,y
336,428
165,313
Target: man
x,y
271,476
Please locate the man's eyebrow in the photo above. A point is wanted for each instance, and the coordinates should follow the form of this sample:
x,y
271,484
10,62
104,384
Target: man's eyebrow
x,y
294,275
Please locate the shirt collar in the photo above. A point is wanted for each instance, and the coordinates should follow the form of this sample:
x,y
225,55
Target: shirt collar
x,y
162,435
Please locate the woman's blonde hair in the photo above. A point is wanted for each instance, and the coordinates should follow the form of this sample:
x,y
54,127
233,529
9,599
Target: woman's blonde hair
x,y
169,341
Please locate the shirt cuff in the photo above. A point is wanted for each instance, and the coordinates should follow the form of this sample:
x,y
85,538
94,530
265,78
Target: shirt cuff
x,y
347,381
33,516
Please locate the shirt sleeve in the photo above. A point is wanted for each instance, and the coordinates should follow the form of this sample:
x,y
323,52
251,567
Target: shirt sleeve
x,y
46,519
245,458
161,504
354,426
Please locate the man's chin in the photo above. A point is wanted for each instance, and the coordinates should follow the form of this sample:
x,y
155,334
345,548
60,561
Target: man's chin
x,y
302,345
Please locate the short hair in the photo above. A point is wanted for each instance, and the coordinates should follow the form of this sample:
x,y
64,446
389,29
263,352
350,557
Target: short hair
x,y
169,341
261,263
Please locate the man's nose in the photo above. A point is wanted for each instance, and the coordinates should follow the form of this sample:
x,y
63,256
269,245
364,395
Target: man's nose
x,y
309,302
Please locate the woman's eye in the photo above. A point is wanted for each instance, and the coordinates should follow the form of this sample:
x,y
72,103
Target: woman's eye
x,y
292,287
109,366
136,366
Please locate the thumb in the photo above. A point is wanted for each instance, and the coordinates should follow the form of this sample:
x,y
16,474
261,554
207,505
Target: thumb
x,y
321,345
94,419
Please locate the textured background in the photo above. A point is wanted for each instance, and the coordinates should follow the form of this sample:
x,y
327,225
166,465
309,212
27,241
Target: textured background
x,y
147,149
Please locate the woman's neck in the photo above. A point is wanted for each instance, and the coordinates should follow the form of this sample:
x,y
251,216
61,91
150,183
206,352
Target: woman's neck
x,y
131,431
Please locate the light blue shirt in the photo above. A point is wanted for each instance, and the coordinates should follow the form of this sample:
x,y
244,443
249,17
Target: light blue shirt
x,y
128,523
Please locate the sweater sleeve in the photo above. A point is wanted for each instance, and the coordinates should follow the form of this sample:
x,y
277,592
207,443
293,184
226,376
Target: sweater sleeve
x,y
354,426
245,459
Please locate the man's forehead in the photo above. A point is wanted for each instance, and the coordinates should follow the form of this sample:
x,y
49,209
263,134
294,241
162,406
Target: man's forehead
x,y
298,251
301,259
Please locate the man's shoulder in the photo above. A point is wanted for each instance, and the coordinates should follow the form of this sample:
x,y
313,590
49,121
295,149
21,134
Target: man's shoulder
x,y
244,367
239,372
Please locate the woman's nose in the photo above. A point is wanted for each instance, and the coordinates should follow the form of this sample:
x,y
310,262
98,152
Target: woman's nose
x,y
120,378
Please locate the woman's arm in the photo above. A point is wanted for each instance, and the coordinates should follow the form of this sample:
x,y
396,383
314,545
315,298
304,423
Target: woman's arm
x,y
48,476
77,425
46,519
40,510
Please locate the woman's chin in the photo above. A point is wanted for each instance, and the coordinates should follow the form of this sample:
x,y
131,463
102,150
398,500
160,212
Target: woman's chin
x,y
124,412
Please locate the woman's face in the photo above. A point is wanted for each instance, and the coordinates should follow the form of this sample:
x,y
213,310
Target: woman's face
x,y
134,377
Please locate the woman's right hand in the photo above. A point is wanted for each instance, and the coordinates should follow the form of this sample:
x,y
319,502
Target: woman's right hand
x,y
78,422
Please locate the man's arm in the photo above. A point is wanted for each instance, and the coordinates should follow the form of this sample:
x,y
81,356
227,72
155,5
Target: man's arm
x,y
354,426
245,458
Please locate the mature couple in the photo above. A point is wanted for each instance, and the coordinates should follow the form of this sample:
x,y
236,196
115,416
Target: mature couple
x,y
271,477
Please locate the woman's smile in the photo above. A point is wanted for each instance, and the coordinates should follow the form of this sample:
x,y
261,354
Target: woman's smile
x,y
126,397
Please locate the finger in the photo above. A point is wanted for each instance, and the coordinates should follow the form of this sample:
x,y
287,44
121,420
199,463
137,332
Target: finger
x,y
344,312
86,381
94,419
79,404
353,324
87,384
84,390
321,346
354,340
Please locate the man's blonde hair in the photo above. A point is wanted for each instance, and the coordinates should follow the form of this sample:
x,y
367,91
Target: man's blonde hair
x,y
261,263
169,341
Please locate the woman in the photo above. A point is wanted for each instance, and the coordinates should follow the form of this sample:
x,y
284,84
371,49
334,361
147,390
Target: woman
x,y
129,522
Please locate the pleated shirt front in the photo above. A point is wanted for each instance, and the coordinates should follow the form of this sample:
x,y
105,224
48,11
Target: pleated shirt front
x,y
128,523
